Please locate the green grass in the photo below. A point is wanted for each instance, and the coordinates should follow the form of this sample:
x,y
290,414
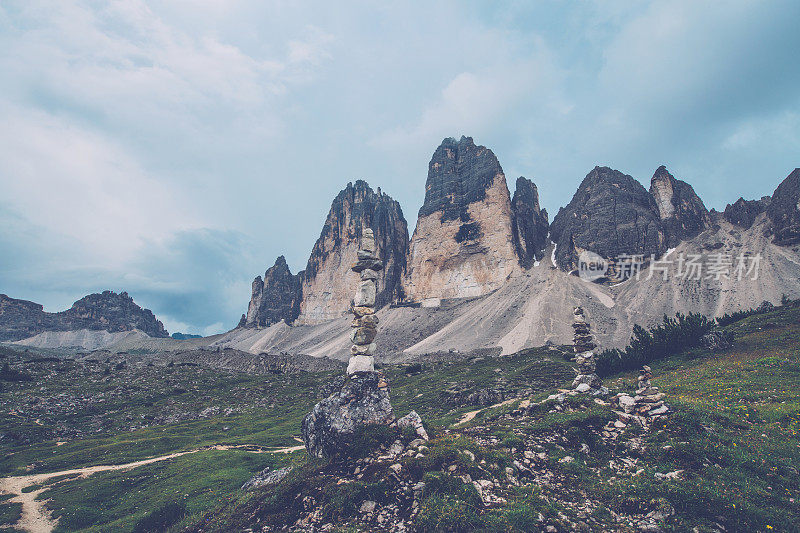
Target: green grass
x,y
116,501
9,512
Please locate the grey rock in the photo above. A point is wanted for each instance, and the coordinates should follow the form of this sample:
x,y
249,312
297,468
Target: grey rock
x,y
413,420
360,363
267,477
365,294
717,341
363,400
744,212
277,297
107,311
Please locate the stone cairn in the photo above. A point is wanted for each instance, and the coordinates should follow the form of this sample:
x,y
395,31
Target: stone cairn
x,y
365,324
363,399
587,381
648,404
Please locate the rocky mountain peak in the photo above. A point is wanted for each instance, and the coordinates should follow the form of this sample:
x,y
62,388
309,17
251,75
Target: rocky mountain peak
x,y
682,212
463,244
744,212
112,312
107,311
610,214
274,298
459,174
530,225
784,210
328,284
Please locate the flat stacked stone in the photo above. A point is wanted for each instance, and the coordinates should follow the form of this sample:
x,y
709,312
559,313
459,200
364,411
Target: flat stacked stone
x,y
365,323
587,380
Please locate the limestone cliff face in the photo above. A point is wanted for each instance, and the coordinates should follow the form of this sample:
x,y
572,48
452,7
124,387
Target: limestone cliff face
x,y
463,242
274,298
107,311
784,210
683,214
529,225
328,284
611,214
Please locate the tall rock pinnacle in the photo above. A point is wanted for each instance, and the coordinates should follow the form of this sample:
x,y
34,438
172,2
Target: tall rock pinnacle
x,y
275,298
683,214
327,285
463,242
529,225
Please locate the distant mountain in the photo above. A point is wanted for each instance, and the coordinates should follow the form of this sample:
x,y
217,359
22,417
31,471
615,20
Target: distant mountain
x,y
109,311
183,336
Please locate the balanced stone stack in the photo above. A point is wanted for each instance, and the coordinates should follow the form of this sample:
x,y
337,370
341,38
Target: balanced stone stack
x,y
363,399
648,404
648,401
587,380
365,323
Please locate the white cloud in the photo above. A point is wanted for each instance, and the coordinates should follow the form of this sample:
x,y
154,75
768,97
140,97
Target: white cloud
x,y
82,186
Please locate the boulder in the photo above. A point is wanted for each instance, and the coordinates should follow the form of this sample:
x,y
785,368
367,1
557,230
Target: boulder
x,y
413,420
363,400
716,341
267,477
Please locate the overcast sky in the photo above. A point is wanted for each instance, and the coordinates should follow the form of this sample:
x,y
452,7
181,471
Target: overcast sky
x,y
174,149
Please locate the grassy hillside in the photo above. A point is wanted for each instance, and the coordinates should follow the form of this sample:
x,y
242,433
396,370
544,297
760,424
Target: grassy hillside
x,y
733,434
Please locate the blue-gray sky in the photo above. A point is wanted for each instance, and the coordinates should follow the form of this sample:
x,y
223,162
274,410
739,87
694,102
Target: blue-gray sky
x,y
173,149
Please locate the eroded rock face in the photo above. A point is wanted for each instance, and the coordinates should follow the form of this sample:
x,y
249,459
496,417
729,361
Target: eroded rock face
x,y
744,212
463,244
530,226
784,210
275,298
683,214
328,284
611,214
363,400
107,311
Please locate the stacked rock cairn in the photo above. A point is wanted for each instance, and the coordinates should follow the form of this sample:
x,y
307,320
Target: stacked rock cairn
x,y
587,381
365,323
648,404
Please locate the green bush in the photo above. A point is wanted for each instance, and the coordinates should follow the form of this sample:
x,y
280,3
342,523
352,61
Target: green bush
x,y
161,519
672,336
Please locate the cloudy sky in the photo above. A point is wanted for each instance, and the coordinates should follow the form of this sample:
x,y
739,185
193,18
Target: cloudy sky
x,y
174,148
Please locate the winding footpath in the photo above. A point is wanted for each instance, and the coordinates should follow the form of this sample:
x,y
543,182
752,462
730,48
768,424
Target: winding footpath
x,y
466,417
35,517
